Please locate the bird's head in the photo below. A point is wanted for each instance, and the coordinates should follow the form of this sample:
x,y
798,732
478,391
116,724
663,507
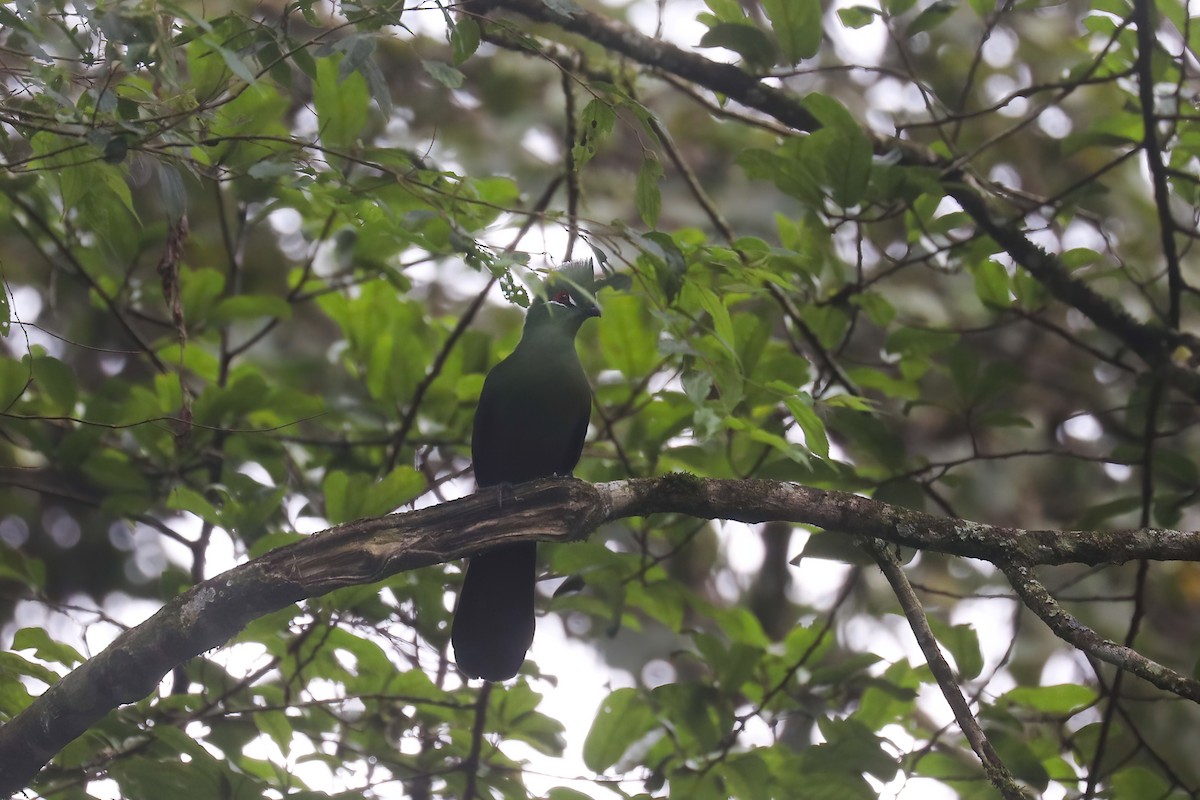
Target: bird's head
x,y
567,298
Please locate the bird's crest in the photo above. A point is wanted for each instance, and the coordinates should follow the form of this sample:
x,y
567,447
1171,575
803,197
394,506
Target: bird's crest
x,y
577,277
575,274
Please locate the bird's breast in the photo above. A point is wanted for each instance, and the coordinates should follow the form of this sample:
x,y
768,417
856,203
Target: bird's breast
x,y
531,420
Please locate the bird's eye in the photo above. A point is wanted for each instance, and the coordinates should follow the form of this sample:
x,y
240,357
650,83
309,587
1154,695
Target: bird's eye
x,y
563,297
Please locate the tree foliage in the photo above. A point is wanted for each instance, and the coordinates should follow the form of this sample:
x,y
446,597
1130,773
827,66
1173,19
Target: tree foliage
x,y
933,257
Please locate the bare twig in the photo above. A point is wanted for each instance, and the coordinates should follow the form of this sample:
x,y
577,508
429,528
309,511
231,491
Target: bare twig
x,y
998,774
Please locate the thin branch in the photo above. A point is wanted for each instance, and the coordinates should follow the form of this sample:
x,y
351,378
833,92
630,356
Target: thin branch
x,y
726,79
1147,46
998,774
1149,440
471,763
570,169
1066,627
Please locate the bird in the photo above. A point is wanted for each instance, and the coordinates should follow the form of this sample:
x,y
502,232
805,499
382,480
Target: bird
x,y
530,423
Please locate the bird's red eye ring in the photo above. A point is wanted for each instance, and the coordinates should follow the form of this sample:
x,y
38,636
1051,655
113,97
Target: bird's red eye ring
x,y
563,297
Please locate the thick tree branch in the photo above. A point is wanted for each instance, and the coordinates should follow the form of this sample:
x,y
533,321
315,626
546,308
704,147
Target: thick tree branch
x,y
556,509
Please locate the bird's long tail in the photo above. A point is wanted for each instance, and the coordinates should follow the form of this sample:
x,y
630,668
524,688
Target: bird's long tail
x,y
493,624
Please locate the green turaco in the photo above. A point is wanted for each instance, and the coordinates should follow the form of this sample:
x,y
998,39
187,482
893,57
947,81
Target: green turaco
x,y
533,414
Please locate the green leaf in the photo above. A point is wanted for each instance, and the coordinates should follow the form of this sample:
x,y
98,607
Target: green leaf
x,y
206,66
992,284
815,437
628,335
258,110
148,779
833,546
250,306
957,773
15,376
56,381
22,568
661,600
734,666
183,498
844,156
647,197
891,698
697,716
670,266
444,74
1101,513
1015,752
111,224
341,104
1079,257
726,10
45,648
395,489
745,39
358,49
748,776
623,721
235,63
811,781
194,359
722,324
464,39
855,17
932,16
852,747
794,173
963,644
380,373
11,20
879,309
563,793
198,291
219,405
831,113
1064,698
12,664
595,125
113,186
340,502
1138,783
172,191
797,25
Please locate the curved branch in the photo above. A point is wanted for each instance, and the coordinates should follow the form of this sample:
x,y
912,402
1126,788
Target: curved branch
x,y
1038,599
998,773
747,89
554,509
